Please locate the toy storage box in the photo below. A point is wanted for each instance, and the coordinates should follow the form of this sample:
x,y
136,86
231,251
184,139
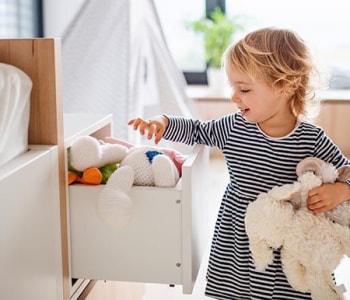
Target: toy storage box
x,y
165,240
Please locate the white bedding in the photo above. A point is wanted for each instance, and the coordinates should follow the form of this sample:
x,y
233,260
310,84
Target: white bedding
x,y
15,88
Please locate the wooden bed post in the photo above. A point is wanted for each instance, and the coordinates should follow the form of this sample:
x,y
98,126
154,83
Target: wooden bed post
x,y
40,59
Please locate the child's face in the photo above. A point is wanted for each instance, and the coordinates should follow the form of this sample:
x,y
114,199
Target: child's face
x,y
257,101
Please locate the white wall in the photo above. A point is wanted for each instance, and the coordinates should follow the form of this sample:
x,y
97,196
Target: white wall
x,y
58,15
95,55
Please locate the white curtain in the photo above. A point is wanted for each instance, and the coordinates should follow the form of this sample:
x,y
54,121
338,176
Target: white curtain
x,y
115,60
95,49
157,84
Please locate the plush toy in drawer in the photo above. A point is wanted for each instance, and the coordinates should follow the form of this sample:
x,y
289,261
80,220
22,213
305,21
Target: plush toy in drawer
x,y
121,165
164,241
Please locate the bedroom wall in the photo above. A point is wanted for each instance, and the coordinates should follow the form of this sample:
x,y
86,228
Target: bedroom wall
x,y
97,81
58,15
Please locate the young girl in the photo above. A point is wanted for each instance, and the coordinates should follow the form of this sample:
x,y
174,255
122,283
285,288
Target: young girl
x,y
270,73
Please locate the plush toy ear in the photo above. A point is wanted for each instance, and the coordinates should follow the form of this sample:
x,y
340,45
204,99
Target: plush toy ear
x,y
290,197
177,158
344,173
85,152
285,192
114,204
113,140
164,171
313,164
112,153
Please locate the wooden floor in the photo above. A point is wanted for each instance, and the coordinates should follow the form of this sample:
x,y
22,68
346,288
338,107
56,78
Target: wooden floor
x,y
139,291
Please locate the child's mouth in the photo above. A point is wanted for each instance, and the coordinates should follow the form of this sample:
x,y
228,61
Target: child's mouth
x,y
244,111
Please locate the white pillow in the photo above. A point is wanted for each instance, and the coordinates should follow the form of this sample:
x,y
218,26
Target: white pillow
x,y
15,88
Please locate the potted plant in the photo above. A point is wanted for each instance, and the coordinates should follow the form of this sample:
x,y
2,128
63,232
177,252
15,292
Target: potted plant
x,y
218,31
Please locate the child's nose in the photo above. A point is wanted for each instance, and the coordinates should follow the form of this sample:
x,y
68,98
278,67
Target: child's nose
x,y
235,98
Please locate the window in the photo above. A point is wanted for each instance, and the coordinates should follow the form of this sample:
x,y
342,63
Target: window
x,y
21,18
186,47
323,24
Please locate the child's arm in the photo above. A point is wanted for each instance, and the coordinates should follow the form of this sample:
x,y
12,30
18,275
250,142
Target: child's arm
x,y
328,196
155,127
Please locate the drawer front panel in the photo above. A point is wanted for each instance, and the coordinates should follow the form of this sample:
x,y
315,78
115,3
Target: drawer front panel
x,y
148,249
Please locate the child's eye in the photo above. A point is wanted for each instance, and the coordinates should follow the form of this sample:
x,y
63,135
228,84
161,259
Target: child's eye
x,y
245,91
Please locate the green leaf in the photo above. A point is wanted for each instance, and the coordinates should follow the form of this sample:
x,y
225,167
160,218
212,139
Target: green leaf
x,y
218,31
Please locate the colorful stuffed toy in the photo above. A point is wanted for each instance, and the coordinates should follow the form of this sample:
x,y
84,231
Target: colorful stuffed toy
x,y
91,162
134,165
312,246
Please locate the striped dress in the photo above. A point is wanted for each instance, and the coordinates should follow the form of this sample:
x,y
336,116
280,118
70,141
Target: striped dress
x,y
256,163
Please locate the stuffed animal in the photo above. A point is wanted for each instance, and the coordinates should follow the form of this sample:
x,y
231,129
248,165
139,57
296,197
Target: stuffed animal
x,y
136,165
312,246
90,162
328,173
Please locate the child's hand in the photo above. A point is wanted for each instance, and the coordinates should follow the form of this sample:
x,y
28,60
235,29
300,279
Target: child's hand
x,y
154,127
327,196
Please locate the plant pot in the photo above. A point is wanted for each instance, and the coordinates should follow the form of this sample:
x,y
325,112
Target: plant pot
x,y
217,80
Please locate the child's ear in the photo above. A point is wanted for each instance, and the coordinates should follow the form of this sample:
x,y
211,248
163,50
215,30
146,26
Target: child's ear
x,y
343,173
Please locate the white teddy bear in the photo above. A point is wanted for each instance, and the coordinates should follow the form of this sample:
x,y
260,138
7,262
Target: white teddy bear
x,y
312,246
141,165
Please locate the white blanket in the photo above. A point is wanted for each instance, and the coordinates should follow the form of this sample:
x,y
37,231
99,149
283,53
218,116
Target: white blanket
x,y
15,88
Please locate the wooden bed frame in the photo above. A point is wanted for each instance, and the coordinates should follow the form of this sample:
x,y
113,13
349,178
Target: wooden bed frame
x,y
40,59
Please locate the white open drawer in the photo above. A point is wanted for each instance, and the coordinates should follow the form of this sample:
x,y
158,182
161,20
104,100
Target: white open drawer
x,y
165,240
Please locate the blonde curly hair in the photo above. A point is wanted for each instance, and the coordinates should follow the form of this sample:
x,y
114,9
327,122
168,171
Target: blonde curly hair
x,y
281,59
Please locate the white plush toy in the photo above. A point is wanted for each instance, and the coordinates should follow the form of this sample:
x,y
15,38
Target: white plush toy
x,y
312,246
139,165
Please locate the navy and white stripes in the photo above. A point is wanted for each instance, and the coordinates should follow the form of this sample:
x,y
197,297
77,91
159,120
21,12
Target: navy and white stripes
x,y
256,163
